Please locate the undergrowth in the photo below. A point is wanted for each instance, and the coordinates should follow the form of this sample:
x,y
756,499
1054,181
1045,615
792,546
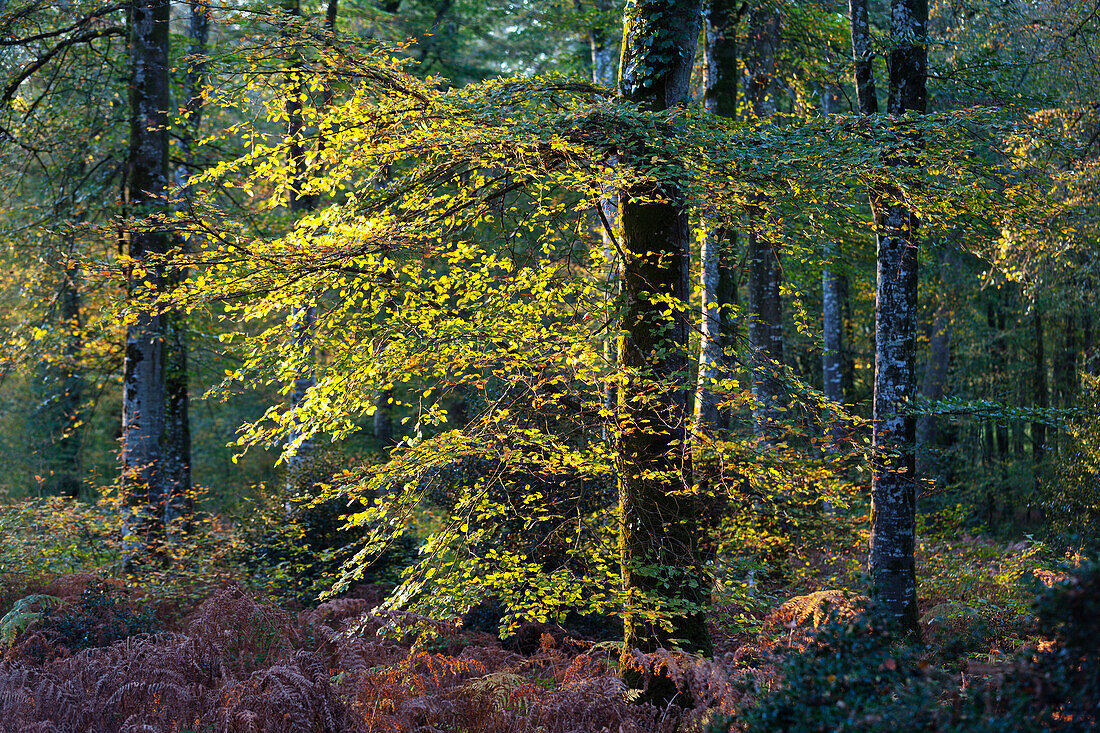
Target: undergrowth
x,y
83,647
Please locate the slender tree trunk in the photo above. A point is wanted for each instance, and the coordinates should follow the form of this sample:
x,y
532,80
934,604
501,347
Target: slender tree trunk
x,y
383,411
301,476
833,327
1000,354
834,292
68,480
862,56
847,354
867,104
177,448
935,368
1088,345
63,384
1065,364
1042,391
143,389
765,270
657,522
720,97
893,491
603,46
932,386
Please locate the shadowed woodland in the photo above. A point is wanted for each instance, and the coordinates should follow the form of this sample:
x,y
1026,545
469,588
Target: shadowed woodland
x,y
571,366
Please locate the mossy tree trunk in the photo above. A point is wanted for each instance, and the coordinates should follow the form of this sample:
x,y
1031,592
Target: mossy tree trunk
x,y
657,521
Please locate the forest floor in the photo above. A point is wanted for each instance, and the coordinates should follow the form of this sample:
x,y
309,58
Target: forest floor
x,y
86,650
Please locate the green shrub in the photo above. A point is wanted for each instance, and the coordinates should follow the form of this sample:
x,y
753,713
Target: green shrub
x,y
40,627
1061,682
851,676
102,615
1072,492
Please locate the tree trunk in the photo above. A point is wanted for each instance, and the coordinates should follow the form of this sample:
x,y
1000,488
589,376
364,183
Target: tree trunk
x,y
657,522
1088,346
867,104
720,57
382,422
177,448
63,384
893,489
143,387
1065,364
848,356
602,46
765,270
935,370
301,474
1042,392
720,97
67,451
834,292
862,56
1000,355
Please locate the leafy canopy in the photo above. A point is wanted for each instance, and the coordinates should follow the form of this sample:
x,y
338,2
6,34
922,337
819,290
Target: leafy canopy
x,y
452,258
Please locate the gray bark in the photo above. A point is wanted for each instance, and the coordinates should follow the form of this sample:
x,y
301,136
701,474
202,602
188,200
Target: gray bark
x,y
603,47
893,489
765,270
177,450
657,520
834,292
143,387
862,56
766,336
711,356
720,97
1088,346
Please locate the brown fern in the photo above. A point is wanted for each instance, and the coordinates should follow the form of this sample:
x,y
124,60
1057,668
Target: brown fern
x,y
293,696
247,633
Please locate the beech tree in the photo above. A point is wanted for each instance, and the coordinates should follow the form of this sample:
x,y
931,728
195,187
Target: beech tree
x,y
892,558
657,521
468,271
143,396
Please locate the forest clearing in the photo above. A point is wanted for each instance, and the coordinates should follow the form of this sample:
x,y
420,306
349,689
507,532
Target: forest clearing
x,y
569,366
